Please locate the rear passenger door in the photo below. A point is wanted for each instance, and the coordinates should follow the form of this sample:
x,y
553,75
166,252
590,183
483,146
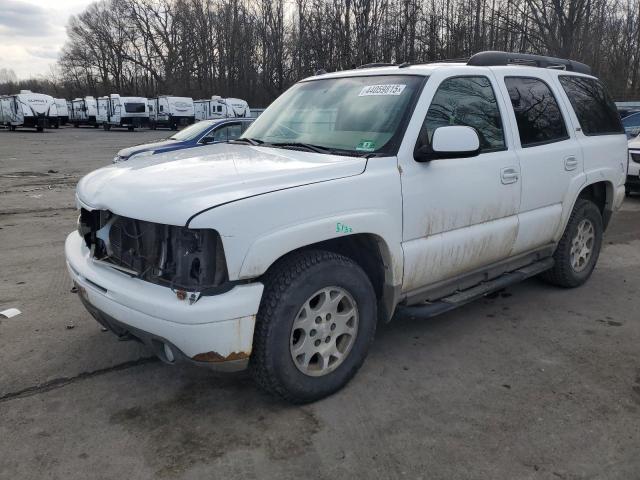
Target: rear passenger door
x,y
550,159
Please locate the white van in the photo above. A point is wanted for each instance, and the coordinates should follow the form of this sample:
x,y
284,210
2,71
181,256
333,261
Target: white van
x,y
28,109
218,107
84,111
171,112
125,112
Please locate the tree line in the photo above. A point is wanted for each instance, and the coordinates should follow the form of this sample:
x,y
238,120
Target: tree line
x,y
255,49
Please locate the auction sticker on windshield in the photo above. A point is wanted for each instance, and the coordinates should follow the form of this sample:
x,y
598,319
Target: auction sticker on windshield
x,y
376,90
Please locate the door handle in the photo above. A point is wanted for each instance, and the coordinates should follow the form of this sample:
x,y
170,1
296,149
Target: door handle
x,y
570,163
509,175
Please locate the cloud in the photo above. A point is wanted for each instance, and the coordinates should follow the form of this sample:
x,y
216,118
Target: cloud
x,y
44,52
24,19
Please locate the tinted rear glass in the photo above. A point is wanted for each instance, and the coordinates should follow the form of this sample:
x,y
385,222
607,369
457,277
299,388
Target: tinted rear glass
x,y
595,111
537,112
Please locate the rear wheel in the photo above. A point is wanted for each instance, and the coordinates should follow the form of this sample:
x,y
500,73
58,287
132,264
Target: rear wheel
x,y
316,322
579,248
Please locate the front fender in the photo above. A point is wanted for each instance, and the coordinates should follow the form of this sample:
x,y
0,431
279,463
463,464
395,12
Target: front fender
x,y
258,230
270,247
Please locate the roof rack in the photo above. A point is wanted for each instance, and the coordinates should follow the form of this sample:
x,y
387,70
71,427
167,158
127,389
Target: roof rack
x,y
493,58
377,64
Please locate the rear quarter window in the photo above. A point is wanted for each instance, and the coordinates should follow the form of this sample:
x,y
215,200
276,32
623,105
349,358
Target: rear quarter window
x,y
594,108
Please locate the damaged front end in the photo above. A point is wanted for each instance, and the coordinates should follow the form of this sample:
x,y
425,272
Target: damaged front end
x,y
189,261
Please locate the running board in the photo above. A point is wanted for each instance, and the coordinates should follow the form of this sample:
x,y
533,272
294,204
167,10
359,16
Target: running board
x,y
431,309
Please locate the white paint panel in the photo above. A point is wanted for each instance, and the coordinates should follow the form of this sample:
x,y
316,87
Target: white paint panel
x,y
445,255
537,228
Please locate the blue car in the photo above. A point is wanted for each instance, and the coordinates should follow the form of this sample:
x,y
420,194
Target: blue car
x,y
206,132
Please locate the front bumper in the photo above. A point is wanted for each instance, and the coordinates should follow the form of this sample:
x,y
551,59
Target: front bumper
x,y
215,330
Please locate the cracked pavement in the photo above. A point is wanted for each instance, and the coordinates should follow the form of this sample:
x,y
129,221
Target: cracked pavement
x,y
533,383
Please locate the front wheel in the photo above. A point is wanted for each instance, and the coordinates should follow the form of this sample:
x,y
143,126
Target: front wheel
x,y
579,248
316,322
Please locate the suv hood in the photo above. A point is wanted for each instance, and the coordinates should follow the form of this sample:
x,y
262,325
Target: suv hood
x,y
170,188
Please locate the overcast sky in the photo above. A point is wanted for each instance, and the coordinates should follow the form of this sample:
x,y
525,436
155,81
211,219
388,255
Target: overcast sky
x,y
32,32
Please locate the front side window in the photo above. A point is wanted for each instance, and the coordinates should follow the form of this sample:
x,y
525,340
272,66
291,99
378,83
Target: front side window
x,y
537,112
594,108
470,102
225,133
350,115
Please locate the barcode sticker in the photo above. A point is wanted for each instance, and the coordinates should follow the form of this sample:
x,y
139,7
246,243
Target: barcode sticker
x,y
376,90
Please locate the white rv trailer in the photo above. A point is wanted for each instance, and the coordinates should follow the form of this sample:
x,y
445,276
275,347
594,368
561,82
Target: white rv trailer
x,y
83,111
63,110
28,109
218,107
125,112
171,112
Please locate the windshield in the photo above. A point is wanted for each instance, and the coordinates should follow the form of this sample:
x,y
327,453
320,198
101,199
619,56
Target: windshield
x,y
192,132
631,120
354,114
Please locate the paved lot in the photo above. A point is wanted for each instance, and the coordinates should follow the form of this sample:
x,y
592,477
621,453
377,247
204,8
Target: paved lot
x,y
536,383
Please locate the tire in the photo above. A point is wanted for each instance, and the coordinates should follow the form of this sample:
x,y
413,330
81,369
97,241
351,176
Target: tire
x,y
76,125
290,286
105,127
130,129
564,273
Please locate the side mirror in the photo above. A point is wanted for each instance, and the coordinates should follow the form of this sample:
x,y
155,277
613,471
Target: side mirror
x,y
454,141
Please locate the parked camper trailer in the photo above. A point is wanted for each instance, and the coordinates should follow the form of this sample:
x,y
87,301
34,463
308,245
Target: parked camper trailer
x,y
63,110
218,107
83,111
125,112
171,112
28,109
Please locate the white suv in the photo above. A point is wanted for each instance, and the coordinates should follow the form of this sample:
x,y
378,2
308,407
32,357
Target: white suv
x,y
355,196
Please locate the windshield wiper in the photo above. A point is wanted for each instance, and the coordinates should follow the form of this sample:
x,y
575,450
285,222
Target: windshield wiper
x,y
307,146
250,141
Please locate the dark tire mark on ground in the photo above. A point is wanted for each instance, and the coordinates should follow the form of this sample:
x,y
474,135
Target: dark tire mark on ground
x,y
63,381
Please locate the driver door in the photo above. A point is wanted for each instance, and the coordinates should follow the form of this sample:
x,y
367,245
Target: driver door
x,y
460,214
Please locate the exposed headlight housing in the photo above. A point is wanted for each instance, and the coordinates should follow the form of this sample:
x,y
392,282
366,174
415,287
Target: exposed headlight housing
x,y
181,258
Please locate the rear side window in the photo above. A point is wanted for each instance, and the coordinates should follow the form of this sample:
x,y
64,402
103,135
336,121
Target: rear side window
x,y
594,108
467,101
537,112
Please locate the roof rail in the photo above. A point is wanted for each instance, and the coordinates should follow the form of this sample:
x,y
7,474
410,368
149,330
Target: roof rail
x,y
493,58
377,64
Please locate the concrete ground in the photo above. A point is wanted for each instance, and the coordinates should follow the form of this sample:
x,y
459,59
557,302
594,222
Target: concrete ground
x,y
535,383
